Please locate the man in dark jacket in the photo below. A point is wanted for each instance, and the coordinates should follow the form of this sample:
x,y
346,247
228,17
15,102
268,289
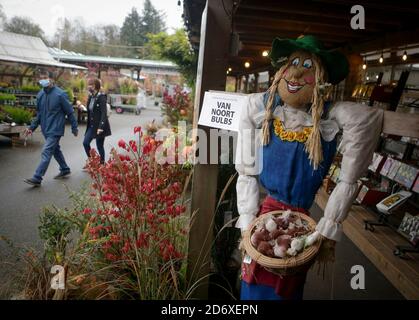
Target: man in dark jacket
x,y
52,107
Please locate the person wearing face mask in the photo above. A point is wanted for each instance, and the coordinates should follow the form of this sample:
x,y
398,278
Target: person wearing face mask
x,y
97,120
52,108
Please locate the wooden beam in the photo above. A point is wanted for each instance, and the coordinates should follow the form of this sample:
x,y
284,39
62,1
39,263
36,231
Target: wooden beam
x,y
211,75
285,21
266,39
335,14
323,33
406,7
387,40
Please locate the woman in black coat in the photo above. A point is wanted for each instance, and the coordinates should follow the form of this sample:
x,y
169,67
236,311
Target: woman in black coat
x,y
97,120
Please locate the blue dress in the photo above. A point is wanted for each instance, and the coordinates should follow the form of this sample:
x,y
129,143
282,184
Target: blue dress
x,y
287,174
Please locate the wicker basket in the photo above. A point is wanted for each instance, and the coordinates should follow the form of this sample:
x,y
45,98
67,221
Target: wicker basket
x,y
283,266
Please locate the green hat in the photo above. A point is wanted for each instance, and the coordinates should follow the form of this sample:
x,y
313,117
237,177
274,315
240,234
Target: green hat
x,y
336,64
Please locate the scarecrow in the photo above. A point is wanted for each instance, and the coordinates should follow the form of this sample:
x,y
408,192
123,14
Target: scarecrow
x,y
297,137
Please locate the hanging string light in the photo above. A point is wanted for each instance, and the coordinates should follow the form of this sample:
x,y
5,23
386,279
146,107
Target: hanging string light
x,y
404,57
364,66
247,64
265,53
381,58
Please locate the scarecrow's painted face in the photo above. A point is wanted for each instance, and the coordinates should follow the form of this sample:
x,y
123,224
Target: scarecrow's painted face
x,y
298,79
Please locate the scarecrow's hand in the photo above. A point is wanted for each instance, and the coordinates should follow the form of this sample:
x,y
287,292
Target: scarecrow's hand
x,y
327,250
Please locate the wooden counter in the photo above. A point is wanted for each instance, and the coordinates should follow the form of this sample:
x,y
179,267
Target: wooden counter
x,y
378,247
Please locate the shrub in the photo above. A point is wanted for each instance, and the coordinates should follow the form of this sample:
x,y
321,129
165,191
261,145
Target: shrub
x,y
177,107
70,94
19,115
30,88
130,228
128,86
7,97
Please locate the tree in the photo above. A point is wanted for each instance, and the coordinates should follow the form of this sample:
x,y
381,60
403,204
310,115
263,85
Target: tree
x,y
103,40
135,30
131,29
24,25
152,20
175,48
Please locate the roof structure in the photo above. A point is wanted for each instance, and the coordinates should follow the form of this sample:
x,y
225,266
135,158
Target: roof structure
x,y
255,23
30,50
74,57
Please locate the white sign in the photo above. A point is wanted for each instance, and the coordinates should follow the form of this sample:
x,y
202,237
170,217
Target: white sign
x,y
222,110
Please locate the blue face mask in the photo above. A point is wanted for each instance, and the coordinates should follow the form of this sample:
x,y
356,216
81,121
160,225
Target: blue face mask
x,y
44,83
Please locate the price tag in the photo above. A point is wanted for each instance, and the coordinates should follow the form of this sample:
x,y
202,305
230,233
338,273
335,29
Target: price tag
x,y
247,259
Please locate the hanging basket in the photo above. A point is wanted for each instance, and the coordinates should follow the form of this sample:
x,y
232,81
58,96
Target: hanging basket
x,y
283,266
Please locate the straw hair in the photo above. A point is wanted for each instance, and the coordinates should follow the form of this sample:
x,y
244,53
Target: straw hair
x,y
269,106
313,144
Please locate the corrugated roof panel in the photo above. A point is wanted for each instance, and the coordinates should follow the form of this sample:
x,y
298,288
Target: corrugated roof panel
x,y
27,49
64,55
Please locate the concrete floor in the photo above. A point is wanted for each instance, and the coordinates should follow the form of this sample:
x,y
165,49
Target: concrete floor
x,y
20,206
336,284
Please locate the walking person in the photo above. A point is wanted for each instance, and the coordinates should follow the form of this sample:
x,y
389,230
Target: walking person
x,y
97,120
52,107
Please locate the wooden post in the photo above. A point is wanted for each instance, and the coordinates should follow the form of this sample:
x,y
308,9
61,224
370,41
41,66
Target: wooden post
x,y
246,84
355,74
138,73
212,63
256,84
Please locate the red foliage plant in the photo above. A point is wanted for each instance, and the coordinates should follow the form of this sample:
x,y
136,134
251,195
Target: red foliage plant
x,y
140,201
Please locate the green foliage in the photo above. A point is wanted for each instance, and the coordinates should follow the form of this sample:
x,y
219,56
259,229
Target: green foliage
x,y
136,27
175,48
24,25
131,29
152,20
29,88
54,229
70,94
128,86
78,86
7,97
3,117
18,115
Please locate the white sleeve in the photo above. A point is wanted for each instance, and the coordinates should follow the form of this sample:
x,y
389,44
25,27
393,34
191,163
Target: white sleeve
x,y
361,130
247,160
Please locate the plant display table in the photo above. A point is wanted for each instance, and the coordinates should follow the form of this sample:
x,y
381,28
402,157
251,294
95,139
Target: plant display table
x,y
13,132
